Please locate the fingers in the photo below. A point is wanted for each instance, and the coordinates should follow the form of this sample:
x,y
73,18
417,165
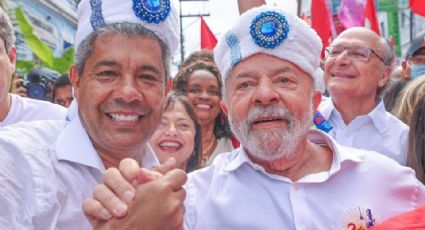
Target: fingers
x,y
168,165
146,176
108,200
94,211
129,169
175,178
119,185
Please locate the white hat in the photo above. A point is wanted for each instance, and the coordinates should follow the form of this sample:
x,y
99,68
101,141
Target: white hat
x,y
271,31
159,16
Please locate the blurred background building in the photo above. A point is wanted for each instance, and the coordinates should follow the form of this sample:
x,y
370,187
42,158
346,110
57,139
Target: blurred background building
x,y
53,21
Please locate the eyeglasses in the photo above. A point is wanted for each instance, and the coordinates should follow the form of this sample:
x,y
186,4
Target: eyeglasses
x,y
417,59
357,52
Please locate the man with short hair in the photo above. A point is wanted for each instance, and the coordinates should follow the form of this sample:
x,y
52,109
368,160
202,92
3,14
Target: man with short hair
x,y
284,175
358,65
62,91
14,108
120,74
414,64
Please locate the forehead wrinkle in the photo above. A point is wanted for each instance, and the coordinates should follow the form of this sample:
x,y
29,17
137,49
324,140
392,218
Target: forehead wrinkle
x,y
106,62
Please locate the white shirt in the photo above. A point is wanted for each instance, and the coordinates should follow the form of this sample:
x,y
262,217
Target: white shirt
x,y
28,109
378,131
47,168
235,193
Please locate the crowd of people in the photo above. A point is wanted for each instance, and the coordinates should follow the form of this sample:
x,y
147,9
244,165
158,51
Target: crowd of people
x,y
226,143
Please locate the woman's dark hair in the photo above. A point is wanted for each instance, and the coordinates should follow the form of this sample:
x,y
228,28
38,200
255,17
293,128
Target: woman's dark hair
x,y
194,159
416,149
202,55
221,125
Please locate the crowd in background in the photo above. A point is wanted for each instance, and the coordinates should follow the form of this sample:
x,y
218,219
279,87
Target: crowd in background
x,y
371,104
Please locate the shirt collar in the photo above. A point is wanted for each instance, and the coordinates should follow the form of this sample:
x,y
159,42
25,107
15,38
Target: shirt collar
x,y
340,158
73,144
378,116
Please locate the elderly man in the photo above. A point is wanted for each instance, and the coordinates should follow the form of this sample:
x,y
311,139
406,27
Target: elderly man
x,y
14,108
414,65
285,176
121,65
357,67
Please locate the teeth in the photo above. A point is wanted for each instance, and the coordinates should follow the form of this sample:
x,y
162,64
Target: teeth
x,y
169,144
124,118
265,120
203,106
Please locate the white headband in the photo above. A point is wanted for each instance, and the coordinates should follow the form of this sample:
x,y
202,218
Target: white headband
x,y
271,31
159,16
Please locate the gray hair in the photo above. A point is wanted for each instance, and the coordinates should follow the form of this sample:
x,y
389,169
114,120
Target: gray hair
x,y
85,49
6,30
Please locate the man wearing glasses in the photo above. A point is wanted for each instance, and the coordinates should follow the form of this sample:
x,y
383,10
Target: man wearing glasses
x,y
414,65
358,64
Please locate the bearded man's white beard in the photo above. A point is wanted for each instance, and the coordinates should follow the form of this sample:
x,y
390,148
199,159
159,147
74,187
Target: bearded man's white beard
x,y
272,144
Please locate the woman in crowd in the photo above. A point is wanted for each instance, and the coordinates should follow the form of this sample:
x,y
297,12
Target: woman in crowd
x,y
179,134
416,148
416,160
406,101
200,81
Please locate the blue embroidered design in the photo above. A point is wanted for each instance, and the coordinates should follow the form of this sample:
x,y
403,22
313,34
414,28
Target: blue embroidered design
x,y
269,29
96,17
235,51
152,11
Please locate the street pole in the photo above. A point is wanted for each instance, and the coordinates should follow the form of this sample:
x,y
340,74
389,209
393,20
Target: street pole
x,y
300,2
181,24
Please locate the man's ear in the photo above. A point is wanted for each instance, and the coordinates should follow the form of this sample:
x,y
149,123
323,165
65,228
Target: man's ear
x,y
168,86
386,77
75,80
12,57
224,107
317,98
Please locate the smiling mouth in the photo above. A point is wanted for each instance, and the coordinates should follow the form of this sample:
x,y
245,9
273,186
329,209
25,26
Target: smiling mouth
x,y
169,146
133,118
343,76
266,120
203,106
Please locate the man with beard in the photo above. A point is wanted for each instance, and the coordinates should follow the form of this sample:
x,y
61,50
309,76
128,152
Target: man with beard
x,y
119,75
284,176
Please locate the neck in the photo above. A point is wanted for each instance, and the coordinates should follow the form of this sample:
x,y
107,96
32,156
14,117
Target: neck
x,y
5,107
308,158
207,134
113,159
350,108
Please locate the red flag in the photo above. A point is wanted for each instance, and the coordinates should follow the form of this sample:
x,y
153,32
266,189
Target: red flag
x,y
208,40
371,20
417,7
320,21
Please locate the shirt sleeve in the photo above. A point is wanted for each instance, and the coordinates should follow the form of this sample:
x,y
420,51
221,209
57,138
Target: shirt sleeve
x,y
16,189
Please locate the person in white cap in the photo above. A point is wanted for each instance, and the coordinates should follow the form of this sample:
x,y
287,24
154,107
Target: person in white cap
x,y
284,175
357,69
120,74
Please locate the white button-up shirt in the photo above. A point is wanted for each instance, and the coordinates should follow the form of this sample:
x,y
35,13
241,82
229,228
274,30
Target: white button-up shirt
x,y
378,131
235,193
28,109
46,170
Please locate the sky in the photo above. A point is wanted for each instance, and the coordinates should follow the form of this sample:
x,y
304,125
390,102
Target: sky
x,y
223,14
